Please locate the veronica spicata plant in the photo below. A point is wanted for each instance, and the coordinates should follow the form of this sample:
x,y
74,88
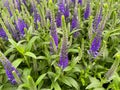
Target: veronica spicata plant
x,y
44,44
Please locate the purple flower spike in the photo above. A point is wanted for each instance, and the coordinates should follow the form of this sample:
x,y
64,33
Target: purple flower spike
x,y
36,17
35,13
74,22
58,19
3,34
8,68
6,4
54,35
53,32
63,62
20,26
74,25
97,20
62,8
24,1
79,1
87,10
73,1
95,46
66,13
17,3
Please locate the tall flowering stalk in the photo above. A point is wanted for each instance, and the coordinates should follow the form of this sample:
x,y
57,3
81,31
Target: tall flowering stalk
x,y
63,9
97,19
17,4
114,66
63,62
9,69
87,10
96,43
75,22
35,13
67,11
6,4
53,31
58,19
95,46
16,30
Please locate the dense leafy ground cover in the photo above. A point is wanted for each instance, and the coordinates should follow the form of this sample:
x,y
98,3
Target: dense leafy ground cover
x,y
59,44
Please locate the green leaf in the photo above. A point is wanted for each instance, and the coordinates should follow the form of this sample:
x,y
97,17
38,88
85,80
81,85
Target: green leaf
x,y
30,43
94,83
1,87
45,89
30,54
74,83
26,72
73,50
99,89
6,87
54,56
56,86
40,78
64,80
18,47
68,68
70,82
31,83
17,62
9,50
75,30
41,57
24,85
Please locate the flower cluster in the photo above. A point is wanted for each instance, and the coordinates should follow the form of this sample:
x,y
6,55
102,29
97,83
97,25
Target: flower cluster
x,y
63,62
87,10
8,68
62,10
96,43
3,34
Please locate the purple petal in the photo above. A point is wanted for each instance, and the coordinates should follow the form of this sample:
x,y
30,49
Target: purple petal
x,y
58,19
87,11
95,46
3,34
21,25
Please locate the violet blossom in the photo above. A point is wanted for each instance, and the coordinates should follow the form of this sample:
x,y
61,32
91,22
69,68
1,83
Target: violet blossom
x,y
53,32
87,10
3,34
8,68
21,25
63,62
